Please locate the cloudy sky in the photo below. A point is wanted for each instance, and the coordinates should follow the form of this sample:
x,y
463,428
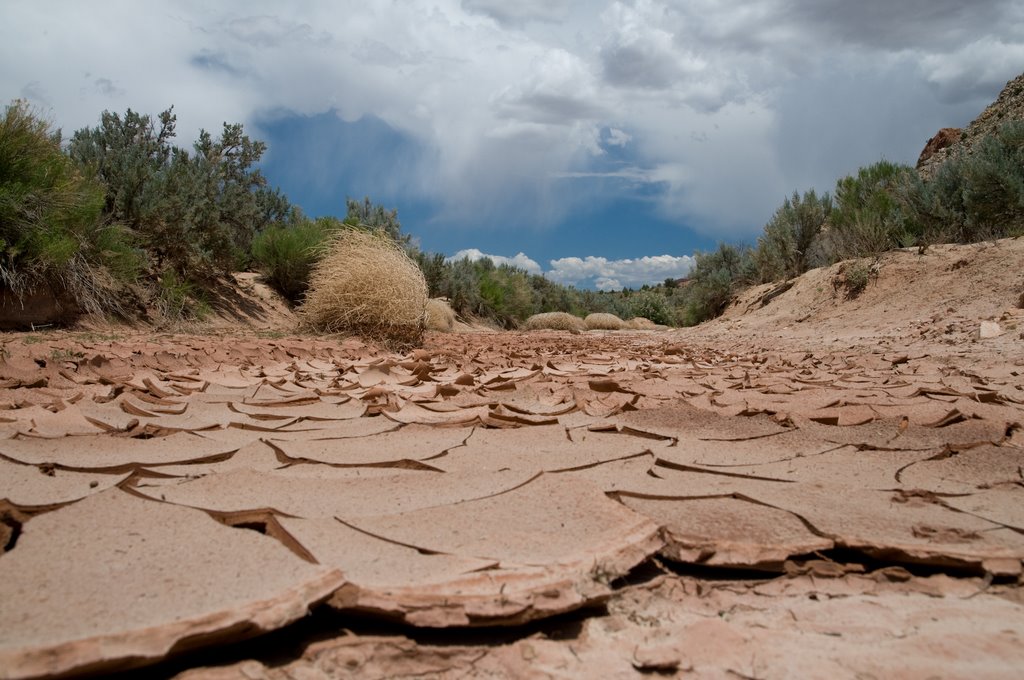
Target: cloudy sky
x,y
600,142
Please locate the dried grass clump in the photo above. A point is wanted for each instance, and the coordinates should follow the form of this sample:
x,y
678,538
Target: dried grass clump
x,y
367,284
555,321
640,323
440,316
601,321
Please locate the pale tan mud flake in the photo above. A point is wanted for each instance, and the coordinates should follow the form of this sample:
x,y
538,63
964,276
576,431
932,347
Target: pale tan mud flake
x,y
727,532
308,430
684,421
899,434
109,453
61,614
535,400
411,413
1003,505
412,442
40,422
107,417
552,520
331,495
860,469
35,486
281,394
540,448
903,527
964,472
433,589
317,410
726,454
254,455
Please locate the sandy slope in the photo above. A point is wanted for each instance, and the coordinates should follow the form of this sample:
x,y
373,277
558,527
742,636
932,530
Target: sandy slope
x,y
935,300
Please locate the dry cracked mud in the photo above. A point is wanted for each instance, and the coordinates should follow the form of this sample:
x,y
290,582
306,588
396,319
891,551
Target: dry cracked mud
x,y
727,501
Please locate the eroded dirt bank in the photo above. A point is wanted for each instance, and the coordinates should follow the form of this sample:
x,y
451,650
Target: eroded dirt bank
x,y
511,505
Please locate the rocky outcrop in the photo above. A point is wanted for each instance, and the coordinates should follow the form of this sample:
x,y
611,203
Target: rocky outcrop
x,y
943,139
948,142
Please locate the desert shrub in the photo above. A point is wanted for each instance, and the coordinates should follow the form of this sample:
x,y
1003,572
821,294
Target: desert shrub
x,y
375,217
52,232
651,305
993,194
178,299
603,321
285,253
556,321
972,196
479,288
195,211
505,293
549,296
714,279
640,323
440,317
787,245
367,284
868,217
855,277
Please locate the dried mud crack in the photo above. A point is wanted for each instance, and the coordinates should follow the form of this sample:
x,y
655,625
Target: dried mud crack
x,y
509,505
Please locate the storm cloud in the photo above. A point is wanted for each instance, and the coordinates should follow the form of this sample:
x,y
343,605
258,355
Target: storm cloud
x,y
712,111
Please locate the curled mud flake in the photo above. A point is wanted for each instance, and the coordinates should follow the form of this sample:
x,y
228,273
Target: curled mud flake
x,y
46,485
58,608
98,452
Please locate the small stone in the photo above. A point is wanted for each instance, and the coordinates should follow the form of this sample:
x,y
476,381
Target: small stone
x,y
657,658
989,329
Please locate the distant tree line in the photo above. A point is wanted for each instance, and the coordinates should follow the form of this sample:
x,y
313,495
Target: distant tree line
x,y
120,213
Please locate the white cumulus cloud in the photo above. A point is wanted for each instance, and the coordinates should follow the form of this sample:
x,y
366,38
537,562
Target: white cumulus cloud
x,y
518,260
605,274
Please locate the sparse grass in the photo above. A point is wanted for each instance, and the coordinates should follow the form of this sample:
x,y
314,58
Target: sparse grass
x,y
367,284
95,336
855,277
555,321
61,354
178,299
604,321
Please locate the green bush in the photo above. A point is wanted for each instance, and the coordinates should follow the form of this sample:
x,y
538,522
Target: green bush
x,y
286,253
787,247
973,196
178,299
653,306
993,193
715,278
52,233
868,217
196,212
856,276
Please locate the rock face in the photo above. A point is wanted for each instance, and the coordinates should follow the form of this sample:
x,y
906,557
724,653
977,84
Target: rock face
x,y
943,139
1009,106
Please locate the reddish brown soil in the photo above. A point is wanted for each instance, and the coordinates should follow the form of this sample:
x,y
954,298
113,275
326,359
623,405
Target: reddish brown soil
x,y
813,487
